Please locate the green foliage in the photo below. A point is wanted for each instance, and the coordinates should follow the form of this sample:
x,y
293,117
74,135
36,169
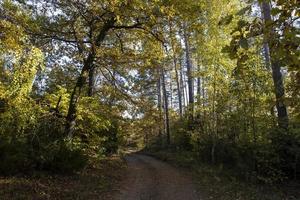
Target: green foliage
x,y
234,123
64,158
98,127
181,137
34,140
32,126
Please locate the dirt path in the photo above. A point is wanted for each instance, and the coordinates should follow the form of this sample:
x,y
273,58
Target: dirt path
x,y
151,179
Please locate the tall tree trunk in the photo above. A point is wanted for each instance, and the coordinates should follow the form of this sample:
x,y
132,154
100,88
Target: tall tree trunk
x,y
87,66
282,114
266,50
198,114
204,117
214,120
171,91
178,85
198,87
182,85
203,91
159,104
189,74
166,106
198,84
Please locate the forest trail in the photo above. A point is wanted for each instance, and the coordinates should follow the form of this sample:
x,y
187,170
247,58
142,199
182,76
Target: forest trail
x,y
150,179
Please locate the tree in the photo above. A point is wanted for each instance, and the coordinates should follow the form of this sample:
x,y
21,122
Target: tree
x,y
275,64
190,81
166,106
175,63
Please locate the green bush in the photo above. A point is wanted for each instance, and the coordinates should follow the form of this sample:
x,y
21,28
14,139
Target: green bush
x,y
65,159
42,147
272,155
181,136
286,146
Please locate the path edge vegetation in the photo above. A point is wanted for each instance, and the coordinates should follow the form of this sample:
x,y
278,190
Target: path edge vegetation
x,y
218,182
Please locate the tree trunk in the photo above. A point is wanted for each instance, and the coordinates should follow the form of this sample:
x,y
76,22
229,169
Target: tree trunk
x,y
182,85
282,114
203,91
166,107
171,91
87,66
266,50
178,87
198,114
214,121
189,75
176,71
267,55
198,85
159,105
71,116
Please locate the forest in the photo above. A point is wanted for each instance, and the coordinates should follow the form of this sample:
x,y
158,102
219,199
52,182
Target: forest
x,y
204,85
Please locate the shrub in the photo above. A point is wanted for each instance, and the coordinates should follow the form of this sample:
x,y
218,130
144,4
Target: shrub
x,y
65,159
181,135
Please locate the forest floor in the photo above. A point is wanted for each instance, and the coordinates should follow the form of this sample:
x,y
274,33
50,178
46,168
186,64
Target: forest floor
x,y
151,179
217,183
155,175
96,181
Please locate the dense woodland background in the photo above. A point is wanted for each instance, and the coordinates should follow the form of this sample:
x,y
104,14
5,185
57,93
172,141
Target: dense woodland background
x,y
82,79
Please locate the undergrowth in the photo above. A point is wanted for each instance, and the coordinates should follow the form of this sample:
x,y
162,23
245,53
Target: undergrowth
x,y
216,182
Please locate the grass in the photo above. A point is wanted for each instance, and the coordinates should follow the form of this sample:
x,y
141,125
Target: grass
x,y
96,181
217,183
